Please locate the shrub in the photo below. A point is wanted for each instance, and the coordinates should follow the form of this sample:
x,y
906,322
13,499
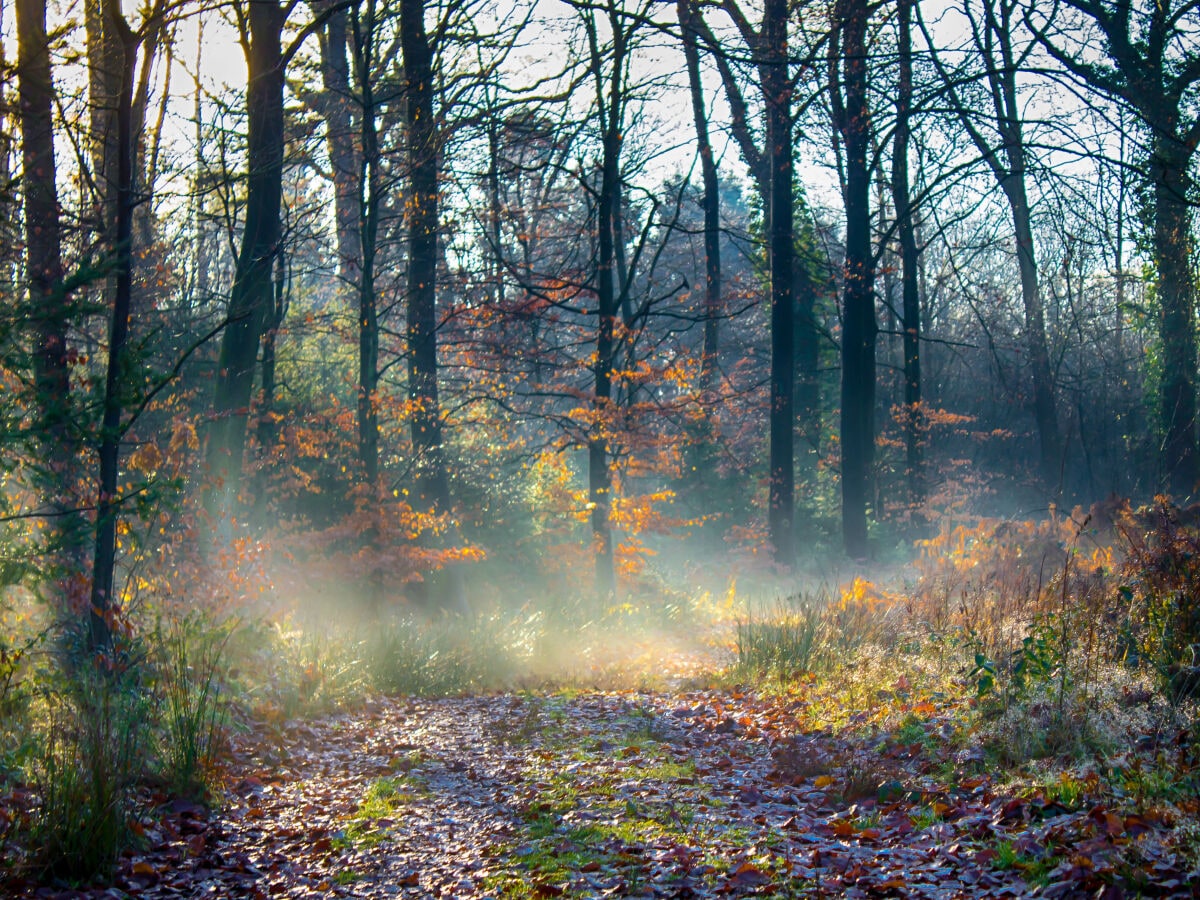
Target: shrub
x,y
1161,592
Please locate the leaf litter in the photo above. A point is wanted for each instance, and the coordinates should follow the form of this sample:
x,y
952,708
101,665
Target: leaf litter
x,y
634,794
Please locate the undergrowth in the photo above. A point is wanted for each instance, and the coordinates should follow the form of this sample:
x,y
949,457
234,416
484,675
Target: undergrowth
x,y
1064,642
1055,642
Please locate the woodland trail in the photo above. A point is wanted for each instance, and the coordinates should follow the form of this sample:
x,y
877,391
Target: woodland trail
x,y
700,794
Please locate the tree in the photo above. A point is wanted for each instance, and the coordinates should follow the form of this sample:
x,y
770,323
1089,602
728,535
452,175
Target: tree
x,y
910,315
336,104
106,52
111,430
48,295
686,12
424,231
1153,66
777,93
847,61
772,168
993,31
609,71
261,23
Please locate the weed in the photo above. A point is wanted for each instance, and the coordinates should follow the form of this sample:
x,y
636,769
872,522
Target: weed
x,y
1033,868
1161,596
924,817
912,731
861,780
1069,790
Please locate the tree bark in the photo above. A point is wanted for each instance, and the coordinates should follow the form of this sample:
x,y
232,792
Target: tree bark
x,y
281,290
104,55
422,258
366,205
914,426
1177,299
252,294
48,302
145,144
777,92
337,109
858,309
107,502
433,486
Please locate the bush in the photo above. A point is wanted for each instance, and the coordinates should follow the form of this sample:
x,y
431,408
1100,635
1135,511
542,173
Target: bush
x,y
1161,593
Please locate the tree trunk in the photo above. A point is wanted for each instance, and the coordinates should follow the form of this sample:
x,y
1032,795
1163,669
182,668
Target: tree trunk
x,y
610,106
281,289
110,430
777,94
104,56
48,302
145,163
252,294
599,476
1177,298
914,426
433,486
338,111
367,228
709,371
858,314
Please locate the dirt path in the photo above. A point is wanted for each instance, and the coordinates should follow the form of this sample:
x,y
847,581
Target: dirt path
x,y
620,795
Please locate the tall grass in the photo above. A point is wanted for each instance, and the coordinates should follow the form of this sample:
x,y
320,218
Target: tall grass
x,y
438,659
90,754
195,705
789,642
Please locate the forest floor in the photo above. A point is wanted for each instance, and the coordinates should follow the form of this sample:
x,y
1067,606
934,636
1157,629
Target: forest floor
x,y
686,793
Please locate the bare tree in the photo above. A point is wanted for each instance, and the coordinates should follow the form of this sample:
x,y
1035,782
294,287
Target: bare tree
x,y
252,296
847,60
1152,53
1001,143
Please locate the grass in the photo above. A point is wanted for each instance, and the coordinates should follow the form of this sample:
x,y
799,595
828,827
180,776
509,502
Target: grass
x,y
1033,868
85,767
790,642
195,702
1066,639
382,801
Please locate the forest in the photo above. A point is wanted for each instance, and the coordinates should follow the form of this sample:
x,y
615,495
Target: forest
x,y
596,448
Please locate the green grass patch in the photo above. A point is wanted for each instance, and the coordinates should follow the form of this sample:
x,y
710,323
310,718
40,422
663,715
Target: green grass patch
x,y
384,799
1034,869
